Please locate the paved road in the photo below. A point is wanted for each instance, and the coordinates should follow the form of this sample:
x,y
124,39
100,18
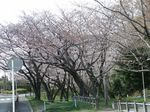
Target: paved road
x,y
21,106
5,103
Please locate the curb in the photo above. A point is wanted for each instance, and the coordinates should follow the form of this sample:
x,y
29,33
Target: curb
x,y
29,106
31,110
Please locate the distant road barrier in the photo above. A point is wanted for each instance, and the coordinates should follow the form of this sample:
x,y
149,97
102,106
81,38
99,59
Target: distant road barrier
x,y
89,100
131,106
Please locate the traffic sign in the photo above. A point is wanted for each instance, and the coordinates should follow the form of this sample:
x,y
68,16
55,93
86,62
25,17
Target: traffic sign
x,y
17,64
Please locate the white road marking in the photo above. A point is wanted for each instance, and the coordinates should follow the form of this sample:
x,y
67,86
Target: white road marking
x,y
5,99
8,98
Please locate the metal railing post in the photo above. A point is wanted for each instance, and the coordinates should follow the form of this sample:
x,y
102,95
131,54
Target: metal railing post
x,y
135,107
127,108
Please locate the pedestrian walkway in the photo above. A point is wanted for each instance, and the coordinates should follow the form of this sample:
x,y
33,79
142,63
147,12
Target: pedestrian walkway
x,y
107,110
23,105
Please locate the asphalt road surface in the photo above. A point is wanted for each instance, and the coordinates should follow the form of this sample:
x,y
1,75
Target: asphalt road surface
x,y
21,106
5,103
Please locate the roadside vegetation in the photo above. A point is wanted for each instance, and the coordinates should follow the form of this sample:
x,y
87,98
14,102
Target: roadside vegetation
x,y
101,51
19,91
59,106
68,106
65,106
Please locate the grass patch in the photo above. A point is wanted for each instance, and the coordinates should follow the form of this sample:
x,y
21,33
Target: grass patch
x,y
60,106
68,107
35,104
103,106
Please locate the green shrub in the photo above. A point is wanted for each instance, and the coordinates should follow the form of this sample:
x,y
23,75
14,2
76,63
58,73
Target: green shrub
x,y
134,99
6,92
21,90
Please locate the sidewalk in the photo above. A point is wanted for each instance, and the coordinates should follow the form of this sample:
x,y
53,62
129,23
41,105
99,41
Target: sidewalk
x,y
23,105
108,110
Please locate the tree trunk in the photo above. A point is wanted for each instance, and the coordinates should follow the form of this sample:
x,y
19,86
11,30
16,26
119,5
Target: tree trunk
x,y
73,88
82,86
37,93
94,81
83,89
105,91
48,92
67,90
62,87
37,90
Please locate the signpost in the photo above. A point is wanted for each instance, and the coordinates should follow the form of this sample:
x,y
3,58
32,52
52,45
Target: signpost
x,y
14,64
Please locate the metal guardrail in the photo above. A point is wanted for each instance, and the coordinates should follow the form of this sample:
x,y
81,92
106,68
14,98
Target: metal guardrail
x,y
131,106
89,100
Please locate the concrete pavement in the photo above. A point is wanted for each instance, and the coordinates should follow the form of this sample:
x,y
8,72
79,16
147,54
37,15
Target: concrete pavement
x,y
21,106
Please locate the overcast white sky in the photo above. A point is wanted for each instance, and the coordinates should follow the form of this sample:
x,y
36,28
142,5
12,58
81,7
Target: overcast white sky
x,y
10,10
